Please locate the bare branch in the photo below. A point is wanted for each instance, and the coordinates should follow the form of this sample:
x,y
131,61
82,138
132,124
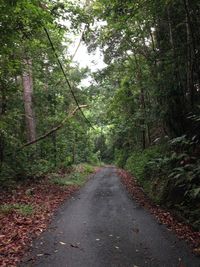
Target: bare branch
x,y
71,114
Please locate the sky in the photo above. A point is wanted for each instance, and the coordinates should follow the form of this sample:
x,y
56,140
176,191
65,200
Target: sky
x,y
94,60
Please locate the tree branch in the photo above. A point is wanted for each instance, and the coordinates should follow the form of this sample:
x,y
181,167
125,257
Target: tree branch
x,y
55,128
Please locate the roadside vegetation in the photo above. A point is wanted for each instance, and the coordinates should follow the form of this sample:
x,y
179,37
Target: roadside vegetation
x,y
169,175
26,209
150,89
76,177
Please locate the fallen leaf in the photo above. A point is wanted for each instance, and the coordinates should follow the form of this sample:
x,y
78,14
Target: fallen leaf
x,y
62,243
197,251
74,246
135,230
182,230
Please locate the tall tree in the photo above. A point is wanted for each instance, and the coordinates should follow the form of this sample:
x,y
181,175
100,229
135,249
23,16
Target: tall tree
x,y
27,79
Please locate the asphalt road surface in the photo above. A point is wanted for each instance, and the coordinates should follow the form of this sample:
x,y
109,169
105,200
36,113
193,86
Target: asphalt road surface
x,y
101,226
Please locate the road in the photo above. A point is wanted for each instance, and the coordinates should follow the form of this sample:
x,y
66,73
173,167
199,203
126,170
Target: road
x,y
101,226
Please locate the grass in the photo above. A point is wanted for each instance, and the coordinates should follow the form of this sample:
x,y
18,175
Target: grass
x,y
23,209
77,177
62,181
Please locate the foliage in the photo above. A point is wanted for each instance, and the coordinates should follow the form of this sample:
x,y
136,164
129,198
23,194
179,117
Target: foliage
x,y
151,84
154,86
138,160
23,36
23,209
77,177
120,157
171,176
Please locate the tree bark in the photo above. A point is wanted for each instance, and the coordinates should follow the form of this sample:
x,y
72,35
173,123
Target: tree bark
x,y
142,102
74,149
177,75
189,65
2,112
191,48
27,81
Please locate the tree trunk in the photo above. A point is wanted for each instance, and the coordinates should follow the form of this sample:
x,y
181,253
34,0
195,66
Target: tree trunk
x,y
144,117
27,81
191,48
2,112
54,148
189,66
74,149
142,103
177,75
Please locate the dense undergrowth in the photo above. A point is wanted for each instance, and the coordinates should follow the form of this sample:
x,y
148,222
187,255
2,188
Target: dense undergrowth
x,y
169,173
25,167
76,177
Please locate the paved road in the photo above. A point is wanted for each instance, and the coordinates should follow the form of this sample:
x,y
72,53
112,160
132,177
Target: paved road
x,y
102,227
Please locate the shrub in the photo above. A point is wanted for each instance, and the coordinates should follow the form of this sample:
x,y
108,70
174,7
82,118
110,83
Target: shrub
x,y
76,177
138,161
170,175
120,157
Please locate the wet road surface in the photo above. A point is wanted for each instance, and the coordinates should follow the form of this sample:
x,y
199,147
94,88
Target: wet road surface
x,y
100,226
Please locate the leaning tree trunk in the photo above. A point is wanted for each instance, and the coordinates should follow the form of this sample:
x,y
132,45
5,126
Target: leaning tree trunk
x,y
27,80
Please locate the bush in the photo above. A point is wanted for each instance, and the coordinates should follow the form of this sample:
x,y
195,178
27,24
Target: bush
x,y
170,175
78,176
120,157
138,161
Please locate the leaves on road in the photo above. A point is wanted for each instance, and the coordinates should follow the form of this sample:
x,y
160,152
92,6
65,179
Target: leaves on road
x,y
17,229
182,230
62,243
74,246
29,208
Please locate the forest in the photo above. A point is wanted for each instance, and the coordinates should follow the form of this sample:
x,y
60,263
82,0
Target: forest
x,y
140,112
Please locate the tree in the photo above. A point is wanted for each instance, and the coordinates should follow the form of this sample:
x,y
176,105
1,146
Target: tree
x,y
27,80
31,75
